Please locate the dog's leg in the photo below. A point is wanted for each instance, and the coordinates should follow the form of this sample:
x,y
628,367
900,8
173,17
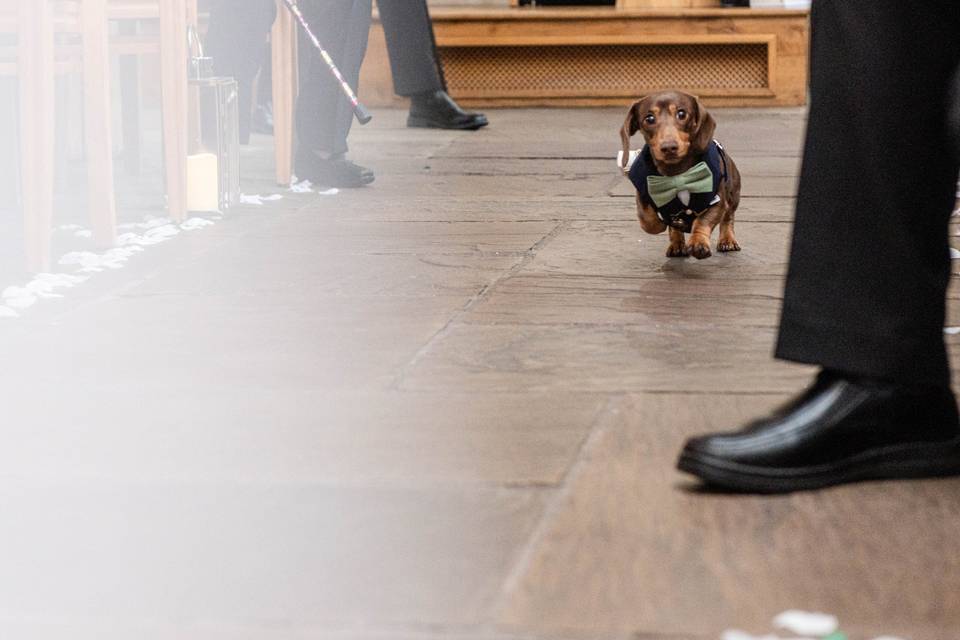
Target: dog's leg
x,y
649,221
699,245
728,240
678,246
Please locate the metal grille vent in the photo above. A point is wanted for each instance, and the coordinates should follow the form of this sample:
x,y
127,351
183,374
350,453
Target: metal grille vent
x,y
602,70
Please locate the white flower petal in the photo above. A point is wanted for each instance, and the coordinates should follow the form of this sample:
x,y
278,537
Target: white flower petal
x,y
254,199
736,634
196,223
806,623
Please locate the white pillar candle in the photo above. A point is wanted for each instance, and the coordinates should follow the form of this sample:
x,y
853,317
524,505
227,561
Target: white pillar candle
x,y
203,182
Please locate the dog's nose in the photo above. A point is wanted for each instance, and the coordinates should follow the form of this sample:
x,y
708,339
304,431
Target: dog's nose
x,y
670,147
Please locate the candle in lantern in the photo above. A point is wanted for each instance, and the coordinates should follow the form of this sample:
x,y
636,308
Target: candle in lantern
x,y
203,182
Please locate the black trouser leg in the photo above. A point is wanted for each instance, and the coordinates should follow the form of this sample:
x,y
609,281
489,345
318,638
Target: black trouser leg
x,y
869,265
324,114
234,41
413,55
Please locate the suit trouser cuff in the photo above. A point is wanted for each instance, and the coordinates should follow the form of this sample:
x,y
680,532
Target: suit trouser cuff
x,y
886,358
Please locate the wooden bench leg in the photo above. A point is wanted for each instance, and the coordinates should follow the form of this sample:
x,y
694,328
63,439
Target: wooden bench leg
x,y
37,121
97,123
284,60
173,80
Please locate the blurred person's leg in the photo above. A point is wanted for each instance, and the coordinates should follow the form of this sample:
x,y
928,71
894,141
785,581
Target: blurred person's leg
x,y
417,70
263,103
324,114
869,264
234,40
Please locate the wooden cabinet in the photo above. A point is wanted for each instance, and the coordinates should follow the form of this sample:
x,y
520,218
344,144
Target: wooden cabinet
x,y
606,56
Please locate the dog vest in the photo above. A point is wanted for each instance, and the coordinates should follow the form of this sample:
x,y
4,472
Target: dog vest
x,y
666,194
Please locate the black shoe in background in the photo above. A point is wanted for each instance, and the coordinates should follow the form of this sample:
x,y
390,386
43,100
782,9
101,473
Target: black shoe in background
x,y
331,172
843,429
437,110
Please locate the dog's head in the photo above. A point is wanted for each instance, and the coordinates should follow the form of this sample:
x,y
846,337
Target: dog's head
x,y
674,125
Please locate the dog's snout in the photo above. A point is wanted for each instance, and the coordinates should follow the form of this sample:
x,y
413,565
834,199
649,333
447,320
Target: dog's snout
x,y
669,147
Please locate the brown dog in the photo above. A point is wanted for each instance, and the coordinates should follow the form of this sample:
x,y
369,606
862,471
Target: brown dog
x,y
679,136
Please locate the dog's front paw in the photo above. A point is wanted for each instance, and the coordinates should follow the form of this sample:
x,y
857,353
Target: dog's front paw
x,y
728,245
699,249
677,250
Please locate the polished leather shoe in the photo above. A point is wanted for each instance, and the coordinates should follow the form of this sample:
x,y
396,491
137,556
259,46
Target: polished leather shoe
x,y
843,429
332,172
437,110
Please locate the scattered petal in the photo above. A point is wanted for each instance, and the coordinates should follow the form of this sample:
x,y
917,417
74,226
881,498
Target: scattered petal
x,y
196,223
254,199
954,254
257,199
951,331
329,192
93,262
20,302
163,231
736,634
154,221
804,623
301,187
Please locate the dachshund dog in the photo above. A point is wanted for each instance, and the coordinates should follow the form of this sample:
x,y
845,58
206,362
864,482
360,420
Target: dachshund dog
x,y
685,181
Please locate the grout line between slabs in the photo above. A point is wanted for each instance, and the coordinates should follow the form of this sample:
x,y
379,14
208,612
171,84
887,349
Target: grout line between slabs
x,y
554,505
476,299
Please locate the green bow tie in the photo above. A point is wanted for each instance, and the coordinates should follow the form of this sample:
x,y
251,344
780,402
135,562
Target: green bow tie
x,y
697,179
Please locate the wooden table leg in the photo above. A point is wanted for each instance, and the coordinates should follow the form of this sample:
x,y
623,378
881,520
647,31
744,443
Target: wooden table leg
x,y
98,122
284,60
173,80
37,100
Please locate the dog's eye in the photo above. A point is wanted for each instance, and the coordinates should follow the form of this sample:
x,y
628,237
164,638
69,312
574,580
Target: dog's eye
x,y
681,115
650,119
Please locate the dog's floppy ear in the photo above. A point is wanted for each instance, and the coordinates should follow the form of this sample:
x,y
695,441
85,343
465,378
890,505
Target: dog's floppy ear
x,y
630,126
703,129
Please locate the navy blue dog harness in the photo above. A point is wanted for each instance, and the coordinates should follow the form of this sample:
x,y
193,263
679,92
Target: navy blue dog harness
x,y
675,213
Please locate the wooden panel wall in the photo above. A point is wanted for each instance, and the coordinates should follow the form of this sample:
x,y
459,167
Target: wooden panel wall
x,y
464,35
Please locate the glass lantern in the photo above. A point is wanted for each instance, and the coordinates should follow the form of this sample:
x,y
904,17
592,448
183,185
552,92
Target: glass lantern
x,y
213,149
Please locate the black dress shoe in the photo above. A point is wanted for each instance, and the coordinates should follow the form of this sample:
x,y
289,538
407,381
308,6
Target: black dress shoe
x,y
332,172
437,110
843,429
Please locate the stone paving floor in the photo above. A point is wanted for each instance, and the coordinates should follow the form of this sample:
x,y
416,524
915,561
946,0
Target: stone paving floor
x,y
443,407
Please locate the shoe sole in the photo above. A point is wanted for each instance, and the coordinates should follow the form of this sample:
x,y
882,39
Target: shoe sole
x,y
327,183
908,461
426,123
